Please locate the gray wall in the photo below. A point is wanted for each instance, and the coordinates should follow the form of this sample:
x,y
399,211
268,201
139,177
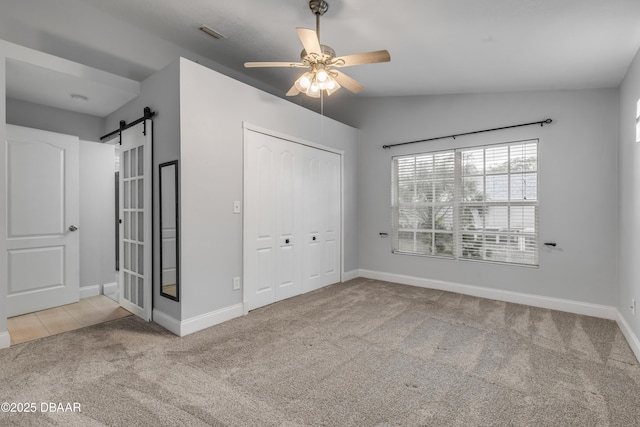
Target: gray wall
x,y
213,109
577,184
629,199
97,214
160,92
84,126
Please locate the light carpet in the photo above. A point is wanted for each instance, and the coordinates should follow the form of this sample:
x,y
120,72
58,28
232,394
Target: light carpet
x,y
362,353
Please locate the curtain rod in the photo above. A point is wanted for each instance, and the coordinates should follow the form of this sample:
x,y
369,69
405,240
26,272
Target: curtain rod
x,y
148,114
541,123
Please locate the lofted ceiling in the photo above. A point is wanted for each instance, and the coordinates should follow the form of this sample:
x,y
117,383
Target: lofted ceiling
x,y
436,46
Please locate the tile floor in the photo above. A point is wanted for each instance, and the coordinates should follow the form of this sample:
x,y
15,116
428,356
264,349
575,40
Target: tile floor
x,y
89,311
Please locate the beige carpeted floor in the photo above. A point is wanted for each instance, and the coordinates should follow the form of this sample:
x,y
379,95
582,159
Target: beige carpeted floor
x,y
364,353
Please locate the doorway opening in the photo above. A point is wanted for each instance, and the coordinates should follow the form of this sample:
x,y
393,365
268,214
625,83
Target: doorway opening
x,y
38,89
86,312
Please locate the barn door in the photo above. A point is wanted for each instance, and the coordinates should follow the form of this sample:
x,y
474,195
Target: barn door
x,y
135,220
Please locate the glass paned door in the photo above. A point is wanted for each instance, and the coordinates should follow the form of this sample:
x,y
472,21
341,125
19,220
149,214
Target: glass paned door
x,y
135,217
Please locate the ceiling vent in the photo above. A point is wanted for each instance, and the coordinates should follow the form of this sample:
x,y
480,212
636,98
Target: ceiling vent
x,y
213,33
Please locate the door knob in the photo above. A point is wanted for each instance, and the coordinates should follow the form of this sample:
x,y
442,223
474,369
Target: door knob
x,y
73,228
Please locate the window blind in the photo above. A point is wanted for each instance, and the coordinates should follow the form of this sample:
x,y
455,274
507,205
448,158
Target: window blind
x,y
475,203
424,203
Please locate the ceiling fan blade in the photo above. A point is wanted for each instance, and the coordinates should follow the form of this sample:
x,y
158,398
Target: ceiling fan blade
x,y
361,58
293,91
347,82
309,40
273,64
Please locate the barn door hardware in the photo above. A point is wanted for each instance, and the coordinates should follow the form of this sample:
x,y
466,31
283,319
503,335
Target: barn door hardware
x,y
148,114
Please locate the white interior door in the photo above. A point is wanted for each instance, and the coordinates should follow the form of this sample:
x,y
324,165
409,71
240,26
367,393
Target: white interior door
x,y
42,219
272,194
322,219
135,220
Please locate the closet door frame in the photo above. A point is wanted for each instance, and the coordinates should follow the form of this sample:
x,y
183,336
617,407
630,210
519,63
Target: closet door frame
x,y
275,134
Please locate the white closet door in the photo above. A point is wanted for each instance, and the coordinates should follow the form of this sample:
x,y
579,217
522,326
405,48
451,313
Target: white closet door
x,y
135,217
272,219
42,220
322,207
288,218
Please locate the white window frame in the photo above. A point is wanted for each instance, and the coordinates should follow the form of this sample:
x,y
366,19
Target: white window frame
x,y
512,246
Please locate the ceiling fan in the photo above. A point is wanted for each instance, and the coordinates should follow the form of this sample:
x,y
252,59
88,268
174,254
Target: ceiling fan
x,y
321,62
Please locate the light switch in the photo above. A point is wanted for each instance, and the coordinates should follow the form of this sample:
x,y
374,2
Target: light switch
x,y
236,207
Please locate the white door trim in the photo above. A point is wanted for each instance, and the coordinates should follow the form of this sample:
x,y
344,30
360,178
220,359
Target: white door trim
x,y
286,137
280,135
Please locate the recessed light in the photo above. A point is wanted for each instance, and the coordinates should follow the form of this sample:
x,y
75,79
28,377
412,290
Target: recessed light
x,y
213,33
79,98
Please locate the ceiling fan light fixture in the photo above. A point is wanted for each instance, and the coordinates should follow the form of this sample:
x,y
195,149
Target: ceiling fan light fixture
x,y
327,84
304,82
314,90
332,87
331,84
322,75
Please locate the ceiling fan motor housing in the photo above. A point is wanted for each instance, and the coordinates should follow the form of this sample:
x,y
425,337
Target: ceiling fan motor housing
x,y
327,53
318,7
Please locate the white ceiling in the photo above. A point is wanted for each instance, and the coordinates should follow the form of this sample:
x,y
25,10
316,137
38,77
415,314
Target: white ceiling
x,y
82,90
436,46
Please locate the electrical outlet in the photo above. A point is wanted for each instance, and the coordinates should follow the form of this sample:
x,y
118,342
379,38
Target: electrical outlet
x,y
236,207
633,307
236,283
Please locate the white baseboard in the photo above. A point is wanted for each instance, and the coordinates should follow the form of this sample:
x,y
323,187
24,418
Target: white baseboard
x,y
632,338
5,339
110,288
570,306
198,323
166,321
349,275
90,291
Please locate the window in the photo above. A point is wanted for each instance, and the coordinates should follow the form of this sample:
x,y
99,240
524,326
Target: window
x,y
475,203
424,203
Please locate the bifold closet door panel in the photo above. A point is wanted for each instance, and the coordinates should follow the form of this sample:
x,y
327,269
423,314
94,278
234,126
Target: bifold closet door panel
x,y
289,220
332,205
322,207
272,219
